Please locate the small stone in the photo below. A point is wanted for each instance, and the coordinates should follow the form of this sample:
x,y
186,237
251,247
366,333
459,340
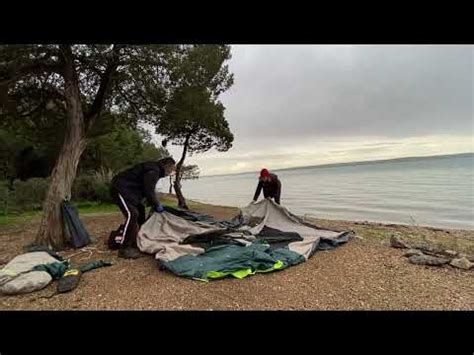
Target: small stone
x,y
461,263
426,248
468,257
396,241
427,260
450,253
412,252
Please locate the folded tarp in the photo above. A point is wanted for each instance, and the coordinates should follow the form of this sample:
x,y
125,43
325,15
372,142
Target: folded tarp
x,y
20,276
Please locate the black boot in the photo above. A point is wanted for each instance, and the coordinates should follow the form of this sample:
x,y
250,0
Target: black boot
x,y
129,253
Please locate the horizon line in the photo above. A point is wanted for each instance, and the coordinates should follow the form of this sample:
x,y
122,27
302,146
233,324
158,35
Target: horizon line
x,y
346,163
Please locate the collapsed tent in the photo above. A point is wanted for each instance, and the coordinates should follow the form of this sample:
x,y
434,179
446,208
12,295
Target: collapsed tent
x,y
264,237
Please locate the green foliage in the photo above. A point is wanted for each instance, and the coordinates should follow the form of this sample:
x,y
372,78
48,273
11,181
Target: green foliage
x,y
5,197
24,195
115,150
194,116
29,195
9,148
91,188
119,149
120,85
190,172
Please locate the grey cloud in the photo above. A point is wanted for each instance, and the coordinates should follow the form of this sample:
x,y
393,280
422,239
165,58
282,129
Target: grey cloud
x,y
365,150
395,91
381,144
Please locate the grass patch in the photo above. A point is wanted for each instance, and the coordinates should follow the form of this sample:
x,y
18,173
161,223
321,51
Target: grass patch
x,y
84,208
91,207
11,219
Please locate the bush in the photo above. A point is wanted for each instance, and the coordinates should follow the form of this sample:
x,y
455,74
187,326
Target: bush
x,y
83,188
92,188
30,194
5,197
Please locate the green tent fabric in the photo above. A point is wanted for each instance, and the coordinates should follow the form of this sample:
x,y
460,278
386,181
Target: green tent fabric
x,y
237,261
56,270
94,265
265,237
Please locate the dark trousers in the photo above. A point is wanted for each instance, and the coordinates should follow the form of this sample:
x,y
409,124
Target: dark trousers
x,y
271,194
134,217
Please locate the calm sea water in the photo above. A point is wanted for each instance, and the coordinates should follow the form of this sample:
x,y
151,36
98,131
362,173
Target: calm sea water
x,y
435,192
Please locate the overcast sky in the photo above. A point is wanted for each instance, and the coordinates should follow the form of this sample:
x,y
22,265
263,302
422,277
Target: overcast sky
x,y
306,105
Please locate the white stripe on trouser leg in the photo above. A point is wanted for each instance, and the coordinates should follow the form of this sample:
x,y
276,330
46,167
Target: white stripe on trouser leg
x,y
128,218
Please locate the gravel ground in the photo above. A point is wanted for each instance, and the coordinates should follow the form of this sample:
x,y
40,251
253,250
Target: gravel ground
x,y
363,274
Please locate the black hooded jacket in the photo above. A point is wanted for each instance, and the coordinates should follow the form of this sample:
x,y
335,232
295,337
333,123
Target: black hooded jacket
x,y
271,188
139,182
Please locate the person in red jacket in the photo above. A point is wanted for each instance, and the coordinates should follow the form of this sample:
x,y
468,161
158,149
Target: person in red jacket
x,y
270,184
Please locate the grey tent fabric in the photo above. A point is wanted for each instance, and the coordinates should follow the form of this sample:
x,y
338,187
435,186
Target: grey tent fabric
x,y
25,283
18,275
278,217
163,233
180,244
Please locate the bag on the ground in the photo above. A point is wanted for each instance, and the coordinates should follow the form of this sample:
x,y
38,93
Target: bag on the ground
x,y
19,276
71,278
116,237
75,231
69,281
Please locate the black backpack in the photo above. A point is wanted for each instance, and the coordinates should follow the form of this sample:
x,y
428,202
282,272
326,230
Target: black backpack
x,y
76,233
116,238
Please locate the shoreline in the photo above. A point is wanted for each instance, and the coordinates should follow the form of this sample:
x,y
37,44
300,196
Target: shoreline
x,y
462,227
461,240
172,199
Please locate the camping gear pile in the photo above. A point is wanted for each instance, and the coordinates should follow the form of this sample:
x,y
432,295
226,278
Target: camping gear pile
x,y
35,270
38,267
264,237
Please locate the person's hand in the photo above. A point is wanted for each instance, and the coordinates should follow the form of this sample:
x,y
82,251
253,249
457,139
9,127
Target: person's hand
x,y
158,208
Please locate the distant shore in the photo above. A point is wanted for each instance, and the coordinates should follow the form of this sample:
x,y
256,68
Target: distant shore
x,y
355,163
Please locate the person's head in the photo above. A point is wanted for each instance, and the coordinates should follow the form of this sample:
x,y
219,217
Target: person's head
x,y
265,175
168,164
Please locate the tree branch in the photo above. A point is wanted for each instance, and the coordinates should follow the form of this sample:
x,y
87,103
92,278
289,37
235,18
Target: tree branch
x,y
185,149
99,99
32,68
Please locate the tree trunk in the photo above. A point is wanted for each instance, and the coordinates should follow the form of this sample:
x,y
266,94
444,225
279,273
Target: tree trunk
x,y
177,181
64,172
181,200
171,184
51,229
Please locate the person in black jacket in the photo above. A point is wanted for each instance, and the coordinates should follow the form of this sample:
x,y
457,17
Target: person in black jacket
x,y
270,184
128,190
